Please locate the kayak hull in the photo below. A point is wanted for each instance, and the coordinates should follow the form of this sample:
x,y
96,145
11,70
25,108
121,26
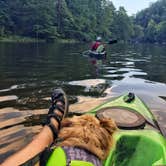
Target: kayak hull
x,y
96,55
135,147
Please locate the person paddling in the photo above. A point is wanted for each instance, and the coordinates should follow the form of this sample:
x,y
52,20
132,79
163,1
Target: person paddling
x,y
98,46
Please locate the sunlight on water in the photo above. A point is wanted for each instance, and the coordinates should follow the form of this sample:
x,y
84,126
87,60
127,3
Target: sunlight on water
x,y
29,74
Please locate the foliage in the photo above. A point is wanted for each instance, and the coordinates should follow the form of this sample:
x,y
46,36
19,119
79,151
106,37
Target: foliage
x,y
123,27
153,22
81,20
75,19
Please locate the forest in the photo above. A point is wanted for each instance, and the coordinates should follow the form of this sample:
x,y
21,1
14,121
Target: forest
x,y
81,20
150,23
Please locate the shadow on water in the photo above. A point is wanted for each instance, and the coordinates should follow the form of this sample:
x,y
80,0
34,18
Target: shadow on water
x,y
29,73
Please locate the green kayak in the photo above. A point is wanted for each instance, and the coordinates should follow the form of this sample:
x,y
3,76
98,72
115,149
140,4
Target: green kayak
x,y
141,147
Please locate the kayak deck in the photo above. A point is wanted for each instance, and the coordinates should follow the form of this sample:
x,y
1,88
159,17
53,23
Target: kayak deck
x,y
137,105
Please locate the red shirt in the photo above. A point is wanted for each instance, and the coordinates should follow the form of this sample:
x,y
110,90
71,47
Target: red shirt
x,y
95,46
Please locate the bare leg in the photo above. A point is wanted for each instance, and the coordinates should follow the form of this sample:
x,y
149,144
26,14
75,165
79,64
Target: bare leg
x,y
38,144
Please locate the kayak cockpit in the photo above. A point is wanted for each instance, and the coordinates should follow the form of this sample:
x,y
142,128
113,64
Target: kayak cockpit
x,y
138,148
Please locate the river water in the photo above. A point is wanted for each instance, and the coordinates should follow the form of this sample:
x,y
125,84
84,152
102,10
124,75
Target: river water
x,y
29,72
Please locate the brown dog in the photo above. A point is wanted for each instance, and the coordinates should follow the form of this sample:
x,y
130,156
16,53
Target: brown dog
x,y
88,132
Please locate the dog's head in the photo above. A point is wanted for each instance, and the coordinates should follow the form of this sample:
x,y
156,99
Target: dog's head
x,y
88,132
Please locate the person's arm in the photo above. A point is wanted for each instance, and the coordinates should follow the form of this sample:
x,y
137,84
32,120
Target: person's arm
x,y
37,145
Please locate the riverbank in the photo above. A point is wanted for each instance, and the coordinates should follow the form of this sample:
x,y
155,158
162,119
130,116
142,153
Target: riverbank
x,y
21,39
14,39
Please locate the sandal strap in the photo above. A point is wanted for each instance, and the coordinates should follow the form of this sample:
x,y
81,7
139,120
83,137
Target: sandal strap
x,y
59,107
59,100
56,96
56,117
59,95
54,130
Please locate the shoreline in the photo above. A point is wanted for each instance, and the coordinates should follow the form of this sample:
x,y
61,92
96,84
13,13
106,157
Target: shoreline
x,y
21,39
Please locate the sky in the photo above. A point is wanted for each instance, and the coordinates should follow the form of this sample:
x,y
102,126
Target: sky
x,y
132,6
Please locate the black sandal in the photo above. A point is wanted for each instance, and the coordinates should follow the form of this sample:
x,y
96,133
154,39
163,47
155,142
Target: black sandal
x,y
57,96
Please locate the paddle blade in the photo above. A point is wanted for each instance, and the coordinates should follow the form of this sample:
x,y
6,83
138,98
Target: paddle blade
x,y
112,41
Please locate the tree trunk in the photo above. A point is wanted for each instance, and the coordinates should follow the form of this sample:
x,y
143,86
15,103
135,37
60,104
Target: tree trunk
x,y
59,15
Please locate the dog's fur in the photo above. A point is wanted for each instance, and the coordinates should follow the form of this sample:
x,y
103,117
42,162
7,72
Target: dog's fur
x,y
89,133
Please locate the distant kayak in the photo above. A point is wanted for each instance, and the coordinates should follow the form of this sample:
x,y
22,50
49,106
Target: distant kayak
x,y
94,54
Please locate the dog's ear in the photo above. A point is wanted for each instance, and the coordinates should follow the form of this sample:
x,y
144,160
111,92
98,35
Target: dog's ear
x,y
66,122
108,124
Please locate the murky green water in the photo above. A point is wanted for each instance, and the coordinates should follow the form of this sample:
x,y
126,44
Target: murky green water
x,y
29,73
29,69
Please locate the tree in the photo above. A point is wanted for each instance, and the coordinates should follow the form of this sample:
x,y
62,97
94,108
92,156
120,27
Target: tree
x,y
138,33
161,32
123,27
152,20
150,31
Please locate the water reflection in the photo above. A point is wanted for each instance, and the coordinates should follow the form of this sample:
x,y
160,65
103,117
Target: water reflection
x,y
29,73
